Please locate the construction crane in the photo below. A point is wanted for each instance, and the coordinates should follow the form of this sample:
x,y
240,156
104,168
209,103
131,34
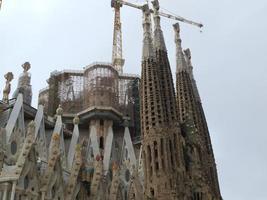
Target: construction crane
x,y
117,58
117,52
156,3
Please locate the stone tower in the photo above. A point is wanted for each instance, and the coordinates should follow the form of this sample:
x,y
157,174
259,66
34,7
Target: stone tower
x,y
200,163
159,126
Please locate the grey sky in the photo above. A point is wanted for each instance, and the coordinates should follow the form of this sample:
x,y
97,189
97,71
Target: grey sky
x,y
229,60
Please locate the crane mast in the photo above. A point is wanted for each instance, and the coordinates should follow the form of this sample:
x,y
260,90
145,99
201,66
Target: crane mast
x,y
117,57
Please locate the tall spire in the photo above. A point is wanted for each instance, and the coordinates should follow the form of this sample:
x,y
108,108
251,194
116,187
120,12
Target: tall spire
x,y
150,91
188,103
180,60
24,84
164,70
148,51
159,43
159,150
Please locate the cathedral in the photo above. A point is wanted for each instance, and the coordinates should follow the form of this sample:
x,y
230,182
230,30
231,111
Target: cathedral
x,y
101,134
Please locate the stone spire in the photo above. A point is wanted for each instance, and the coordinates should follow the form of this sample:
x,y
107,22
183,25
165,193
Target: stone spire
x,y
148,51
188,102
159,43
160,160
180,60
164,70
184,90
150,85
187,54
24,84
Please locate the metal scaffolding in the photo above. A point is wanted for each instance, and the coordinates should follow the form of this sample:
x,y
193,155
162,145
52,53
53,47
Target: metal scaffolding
x,y
99,85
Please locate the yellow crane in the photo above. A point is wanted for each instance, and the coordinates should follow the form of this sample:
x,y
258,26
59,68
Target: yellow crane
x,y
117,58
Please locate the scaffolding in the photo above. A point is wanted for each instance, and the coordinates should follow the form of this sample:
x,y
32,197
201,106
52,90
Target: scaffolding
x,y
101,86
98,85
66,89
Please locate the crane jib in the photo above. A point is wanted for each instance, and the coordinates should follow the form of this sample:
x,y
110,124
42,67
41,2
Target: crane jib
x,y
181,19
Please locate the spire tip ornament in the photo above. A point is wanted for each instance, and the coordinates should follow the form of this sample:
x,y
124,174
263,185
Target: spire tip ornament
x,y
187,53
26,66
176,27
9,77
76,120
59,110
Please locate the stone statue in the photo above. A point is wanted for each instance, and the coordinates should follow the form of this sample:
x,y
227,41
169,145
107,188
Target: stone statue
x,y
9,77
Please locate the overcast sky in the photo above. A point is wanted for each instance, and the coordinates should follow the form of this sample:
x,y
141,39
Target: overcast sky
x,y
229,60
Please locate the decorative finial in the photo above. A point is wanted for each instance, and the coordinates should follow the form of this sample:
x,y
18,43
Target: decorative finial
x,y
26,66
9,77
41,101
155,4
187,53
59,110
78,147
126,123
177,27
76,120
55,136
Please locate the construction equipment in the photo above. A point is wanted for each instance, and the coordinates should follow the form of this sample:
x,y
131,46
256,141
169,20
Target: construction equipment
x,y
117,56
174,17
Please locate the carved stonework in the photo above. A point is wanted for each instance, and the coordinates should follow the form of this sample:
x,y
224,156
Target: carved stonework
x,y
9,77
26,67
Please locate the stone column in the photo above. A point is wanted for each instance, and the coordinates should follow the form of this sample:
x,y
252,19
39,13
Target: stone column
x,y
43,195
5,191
13,190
